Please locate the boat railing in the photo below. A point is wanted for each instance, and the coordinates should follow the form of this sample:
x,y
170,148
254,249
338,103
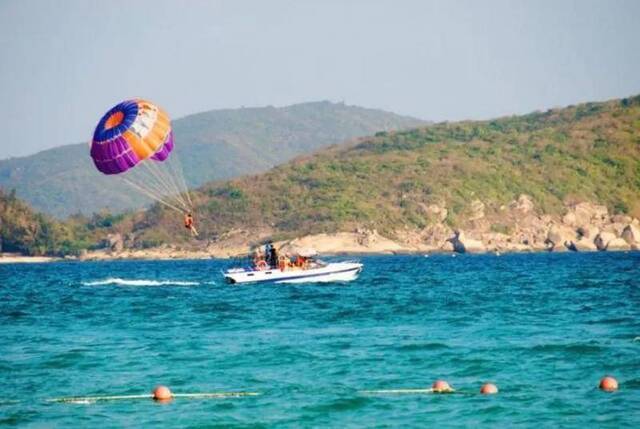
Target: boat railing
x,y
350,261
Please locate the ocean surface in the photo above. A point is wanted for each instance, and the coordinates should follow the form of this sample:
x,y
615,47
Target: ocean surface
x,y
544,327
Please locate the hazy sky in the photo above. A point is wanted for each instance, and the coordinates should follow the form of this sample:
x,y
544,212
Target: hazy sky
x,y
64,63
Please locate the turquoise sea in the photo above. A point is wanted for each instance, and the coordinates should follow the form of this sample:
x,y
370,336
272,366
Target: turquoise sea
x,y
544,327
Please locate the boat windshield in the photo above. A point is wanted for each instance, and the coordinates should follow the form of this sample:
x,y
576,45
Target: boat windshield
x,y
317,263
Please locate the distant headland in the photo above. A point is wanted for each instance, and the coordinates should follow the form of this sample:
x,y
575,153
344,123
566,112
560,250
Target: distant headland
x,y
561,180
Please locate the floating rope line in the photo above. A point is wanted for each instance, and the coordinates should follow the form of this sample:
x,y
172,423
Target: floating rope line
x,y
396,391
216,395
405,391
92,399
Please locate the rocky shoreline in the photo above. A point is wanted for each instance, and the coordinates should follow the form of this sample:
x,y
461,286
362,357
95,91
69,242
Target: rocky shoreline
x,y
14,258
516,227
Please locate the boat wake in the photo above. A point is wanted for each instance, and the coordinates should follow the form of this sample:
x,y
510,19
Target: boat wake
x,y
140,282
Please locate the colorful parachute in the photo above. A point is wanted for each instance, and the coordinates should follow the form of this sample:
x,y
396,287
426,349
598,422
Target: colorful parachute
x,y
130,133
134,141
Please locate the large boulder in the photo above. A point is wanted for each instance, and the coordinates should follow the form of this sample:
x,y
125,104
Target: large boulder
x,y
560,237
618,244
598,213
463,244
603,239
569,218
588,232
114,242
631,234
615,228
583,245
531,231
535,238
585,214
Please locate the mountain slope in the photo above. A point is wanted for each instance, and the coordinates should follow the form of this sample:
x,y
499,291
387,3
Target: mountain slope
x,y
589,152
214,145
25,231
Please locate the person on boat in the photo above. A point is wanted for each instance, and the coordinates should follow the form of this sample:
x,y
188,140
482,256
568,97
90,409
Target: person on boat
x,y
301,262
267,254
257,257
188,223
260,259
273,256
283,262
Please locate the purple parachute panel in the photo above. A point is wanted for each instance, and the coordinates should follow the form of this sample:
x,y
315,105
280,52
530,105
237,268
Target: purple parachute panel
x,y
114,156
165,149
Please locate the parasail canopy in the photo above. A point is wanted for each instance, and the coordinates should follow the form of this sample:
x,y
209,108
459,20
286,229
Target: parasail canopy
x,y
131,132
134,141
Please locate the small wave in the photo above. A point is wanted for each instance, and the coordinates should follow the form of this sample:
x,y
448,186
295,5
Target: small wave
x,y
578,348
141,282
423,346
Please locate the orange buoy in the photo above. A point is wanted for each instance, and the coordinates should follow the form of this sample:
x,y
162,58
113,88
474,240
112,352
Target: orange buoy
x,y
441,386
162,393
608,384
489,389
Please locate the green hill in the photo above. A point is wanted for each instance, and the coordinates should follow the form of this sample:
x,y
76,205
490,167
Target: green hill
x,y
589,152
24,231
391,181
214,145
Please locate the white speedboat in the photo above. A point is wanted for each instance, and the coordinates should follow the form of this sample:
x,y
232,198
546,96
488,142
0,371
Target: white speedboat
x,y
316,271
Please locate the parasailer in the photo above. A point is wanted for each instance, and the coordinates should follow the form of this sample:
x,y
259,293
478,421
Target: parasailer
x,y
134,140
188,223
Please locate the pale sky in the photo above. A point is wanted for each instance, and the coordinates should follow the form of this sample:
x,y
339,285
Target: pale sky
x,y
64,63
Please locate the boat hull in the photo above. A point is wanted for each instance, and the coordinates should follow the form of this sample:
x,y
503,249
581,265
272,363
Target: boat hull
x,y
335,272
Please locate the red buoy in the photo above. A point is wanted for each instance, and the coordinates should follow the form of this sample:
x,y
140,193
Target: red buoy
x,y
162,393
609,384
441,386
489,389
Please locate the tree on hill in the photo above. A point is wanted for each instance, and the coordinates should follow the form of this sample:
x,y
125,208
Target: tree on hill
x,y
25,231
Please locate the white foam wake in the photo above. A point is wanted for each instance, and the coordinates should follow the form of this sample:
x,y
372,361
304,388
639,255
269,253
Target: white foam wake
x,y
131,282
